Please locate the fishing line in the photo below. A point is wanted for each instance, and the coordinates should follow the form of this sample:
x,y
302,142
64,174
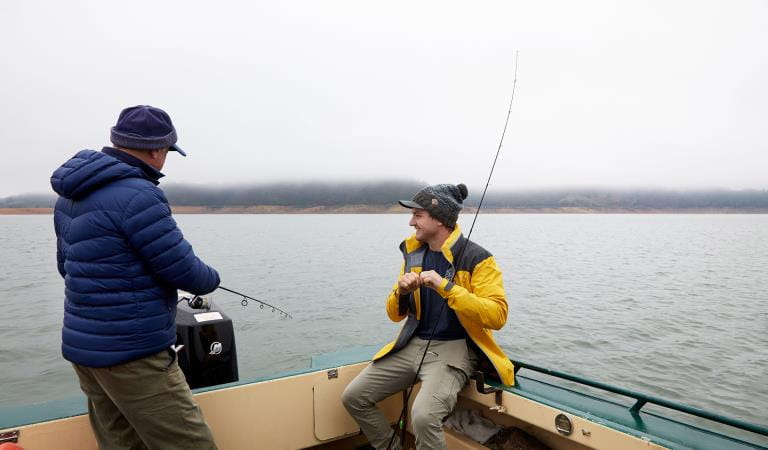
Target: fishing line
x,y
400,420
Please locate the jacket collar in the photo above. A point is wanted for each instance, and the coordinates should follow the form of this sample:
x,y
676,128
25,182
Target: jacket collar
x,y
153,174
411,243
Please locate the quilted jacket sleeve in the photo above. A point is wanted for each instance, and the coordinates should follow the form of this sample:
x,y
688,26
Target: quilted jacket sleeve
x,y
59,246
60,258
152,232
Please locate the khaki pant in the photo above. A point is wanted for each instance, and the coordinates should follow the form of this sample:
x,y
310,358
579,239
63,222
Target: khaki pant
x,y
445,371
144,404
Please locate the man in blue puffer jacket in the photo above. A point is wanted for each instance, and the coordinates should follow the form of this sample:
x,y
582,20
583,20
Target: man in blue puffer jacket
x,y
123,258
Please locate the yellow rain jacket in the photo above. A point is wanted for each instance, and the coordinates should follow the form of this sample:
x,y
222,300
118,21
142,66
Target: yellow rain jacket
x,y
476,295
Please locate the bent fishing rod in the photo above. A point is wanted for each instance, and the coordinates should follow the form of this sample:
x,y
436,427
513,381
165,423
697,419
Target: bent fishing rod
x,y
401,421
198,302
261,303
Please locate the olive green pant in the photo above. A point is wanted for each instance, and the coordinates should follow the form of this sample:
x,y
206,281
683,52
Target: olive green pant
x,y
143,404
446,369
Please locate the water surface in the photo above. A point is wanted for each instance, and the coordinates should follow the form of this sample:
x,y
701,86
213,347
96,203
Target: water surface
x,y
671,305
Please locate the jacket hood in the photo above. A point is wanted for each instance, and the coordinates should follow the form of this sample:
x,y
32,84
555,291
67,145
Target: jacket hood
x,y
87,171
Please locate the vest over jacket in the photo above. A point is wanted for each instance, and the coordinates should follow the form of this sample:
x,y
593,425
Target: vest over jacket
x,y
476,294
122,258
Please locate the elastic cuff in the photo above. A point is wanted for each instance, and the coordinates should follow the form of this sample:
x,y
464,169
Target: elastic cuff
x,y
445,287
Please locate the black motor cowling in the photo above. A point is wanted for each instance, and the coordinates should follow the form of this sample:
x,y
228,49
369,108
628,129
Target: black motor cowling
x,y
207,355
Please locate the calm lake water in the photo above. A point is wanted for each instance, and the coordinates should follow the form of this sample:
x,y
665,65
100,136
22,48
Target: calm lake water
x,y
671,305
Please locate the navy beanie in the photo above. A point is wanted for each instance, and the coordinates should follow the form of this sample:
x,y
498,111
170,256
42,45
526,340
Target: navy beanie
x,y
144,127
442,201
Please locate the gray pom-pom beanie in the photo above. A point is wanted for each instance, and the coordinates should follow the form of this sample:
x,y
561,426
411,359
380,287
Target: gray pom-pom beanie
x,y
442,201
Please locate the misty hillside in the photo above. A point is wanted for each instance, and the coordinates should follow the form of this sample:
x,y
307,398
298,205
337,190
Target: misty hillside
x,y
299,195
385,194
628,199
28,201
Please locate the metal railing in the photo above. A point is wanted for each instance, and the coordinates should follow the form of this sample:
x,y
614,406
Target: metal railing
x,y
643,399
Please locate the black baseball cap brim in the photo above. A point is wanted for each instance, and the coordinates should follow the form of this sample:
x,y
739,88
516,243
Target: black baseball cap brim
x,y
176,148
410,204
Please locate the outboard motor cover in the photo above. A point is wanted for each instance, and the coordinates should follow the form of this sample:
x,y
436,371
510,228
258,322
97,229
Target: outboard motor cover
x,y
205,340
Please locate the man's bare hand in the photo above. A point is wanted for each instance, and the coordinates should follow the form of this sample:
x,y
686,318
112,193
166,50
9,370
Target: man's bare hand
x,y
408,283
431,279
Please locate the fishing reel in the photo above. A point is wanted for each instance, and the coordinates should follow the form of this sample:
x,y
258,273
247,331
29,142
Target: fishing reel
x,y
198,302
195,301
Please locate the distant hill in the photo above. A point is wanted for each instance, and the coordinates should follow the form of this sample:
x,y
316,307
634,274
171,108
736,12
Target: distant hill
x,y
636,200
28,201
381,196
302,195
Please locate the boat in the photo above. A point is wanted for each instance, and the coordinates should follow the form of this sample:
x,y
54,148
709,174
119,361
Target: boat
x,y
302,409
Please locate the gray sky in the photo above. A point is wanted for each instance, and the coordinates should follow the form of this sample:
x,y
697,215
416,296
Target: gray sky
x,y
640,94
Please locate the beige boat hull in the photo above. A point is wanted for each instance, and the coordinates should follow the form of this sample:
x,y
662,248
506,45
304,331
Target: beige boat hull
x,y
305,410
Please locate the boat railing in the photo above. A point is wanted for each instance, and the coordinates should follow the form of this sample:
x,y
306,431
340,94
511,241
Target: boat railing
x,y
640,399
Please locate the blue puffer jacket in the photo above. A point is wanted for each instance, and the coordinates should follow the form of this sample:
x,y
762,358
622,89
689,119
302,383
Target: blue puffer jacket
x,y
122,258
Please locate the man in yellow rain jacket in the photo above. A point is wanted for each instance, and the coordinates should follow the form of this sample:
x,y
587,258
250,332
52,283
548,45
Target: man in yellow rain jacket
x,y
450,290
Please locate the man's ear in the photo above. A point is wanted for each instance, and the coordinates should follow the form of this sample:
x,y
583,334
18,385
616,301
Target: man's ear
x,y
155,154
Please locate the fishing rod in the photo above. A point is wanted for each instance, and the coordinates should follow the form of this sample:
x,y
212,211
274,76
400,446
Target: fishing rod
x,y
198,302
401,421
261,303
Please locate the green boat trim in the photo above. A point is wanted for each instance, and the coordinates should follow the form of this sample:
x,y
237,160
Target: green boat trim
x,y
642,399
644,424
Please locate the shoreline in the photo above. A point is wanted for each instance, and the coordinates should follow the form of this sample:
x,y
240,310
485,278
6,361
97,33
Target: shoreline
x,y
397,209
